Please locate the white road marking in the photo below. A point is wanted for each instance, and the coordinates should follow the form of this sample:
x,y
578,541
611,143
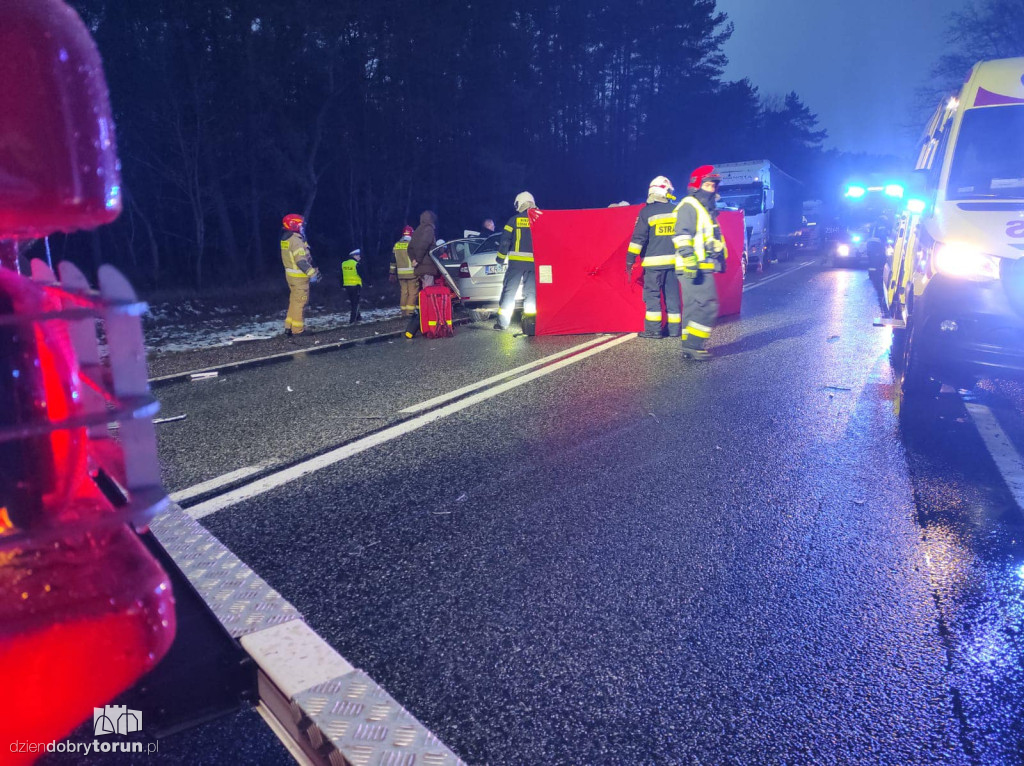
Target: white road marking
x,y
437,400
215,483
772,278
274,480
1005,455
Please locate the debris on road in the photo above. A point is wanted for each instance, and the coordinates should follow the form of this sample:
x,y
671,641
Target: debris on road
x,y
250,337
290,390
203,375
158,421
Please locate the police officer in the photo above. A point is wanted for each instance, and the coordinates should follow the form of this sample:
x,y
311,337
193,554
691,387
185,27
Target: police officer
x,y
299,271
403,270
652,243
700,252
516,247
352,281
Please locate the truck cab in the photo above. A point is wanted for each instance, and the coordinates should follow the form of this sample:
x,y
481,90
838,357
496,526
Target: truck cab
x,y
954,283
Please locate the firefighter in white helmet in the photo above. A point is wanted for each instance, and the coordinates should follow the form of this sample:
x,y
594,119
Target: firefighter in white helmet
x,y
516,247
652,243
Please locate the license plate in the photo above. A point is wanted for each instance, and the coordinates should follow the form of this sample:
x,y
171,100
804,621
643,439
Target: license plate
x,y
495,269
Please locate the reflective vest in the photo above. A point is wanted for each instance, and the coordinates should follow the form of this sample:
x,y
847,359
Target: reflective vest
x,y
516,240
655,227
350,273
704,241
403,264
296,256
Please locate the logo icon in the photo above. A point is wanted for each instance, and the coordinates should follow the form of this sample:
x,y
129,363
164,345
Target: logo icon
x,y
115,719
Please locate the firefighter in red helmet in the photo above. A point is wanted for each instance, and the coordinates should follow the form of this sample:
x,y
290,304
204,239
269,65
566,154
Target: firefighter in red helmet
x,y
299,271
403,270
700,253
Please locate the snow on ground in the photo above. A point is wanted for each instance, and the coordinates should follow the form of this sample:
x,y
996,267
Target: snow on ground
x,y
165,335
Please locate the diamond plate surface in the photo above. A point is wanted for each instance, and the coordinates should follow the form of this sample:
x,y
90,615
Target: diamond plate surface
x,y
367,726
242,601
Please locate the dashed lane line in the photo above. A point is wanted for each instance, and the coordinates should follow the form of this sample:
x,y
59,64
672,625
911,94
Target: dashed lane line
x,y
768,280
1005,455
459,392
216,483
306,467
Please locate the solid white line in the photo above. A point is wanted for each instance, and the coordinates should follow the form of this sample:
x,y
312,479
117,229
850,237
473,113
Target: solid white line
x,y
1006,457
496,378
772,278
220,481
312,465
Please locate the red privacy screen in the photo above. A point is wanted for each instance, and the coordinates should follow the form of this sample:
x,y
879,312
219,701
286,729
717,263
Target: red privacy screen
x,y
580,259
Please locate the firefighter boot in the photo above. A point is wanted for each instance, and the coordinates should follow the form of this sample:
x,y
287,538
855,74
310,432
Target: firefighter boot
x,y
696,354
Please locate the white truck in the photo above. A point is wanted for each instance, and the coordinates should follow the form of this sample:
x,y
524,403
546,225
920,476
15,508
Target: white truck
x,y
771,201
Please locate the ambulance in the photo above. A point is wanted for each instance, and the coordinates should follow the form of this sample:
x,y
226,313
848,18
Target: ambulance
x,y
954,282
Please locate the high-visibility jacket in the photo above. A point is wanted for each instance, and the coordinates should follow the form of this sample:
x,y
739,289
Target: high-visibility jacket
x,y
402,263
655,227
698,240
298,261
350,273
516,242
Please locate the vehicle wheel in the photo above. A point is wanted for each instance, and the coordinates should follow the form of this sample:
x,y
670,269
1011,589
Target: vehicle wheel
x,y
915,380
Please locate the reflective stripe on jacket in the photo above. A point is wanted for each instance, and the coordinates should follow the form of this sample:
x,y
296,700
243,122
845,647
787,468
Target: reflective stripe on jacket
x,y
295,255
697,234
516,240
402,265
350,273
655,227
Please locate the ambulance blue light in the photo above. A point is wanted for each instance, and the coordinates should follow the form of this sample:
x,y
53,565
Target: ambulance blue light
x,y
894,190
855,192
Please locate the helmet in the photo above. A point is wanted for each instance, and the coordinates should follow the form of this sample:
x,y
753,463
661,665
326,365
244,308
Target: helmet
x,y
407,231
439,243
524,201
293,222
357,254
660,189
702,174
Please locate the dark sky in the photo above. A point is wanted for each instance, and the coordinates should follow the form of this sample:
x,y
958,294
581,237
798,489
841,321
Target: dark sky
x,y
858,64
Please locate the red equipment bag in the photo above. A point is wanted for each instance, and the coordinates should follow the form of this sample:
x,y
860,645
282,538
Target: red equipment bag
x,y
436,312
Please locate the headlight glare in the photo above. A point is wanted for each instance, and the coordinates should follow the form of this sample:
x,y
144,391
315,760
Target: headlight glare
x,y
843,250
962,261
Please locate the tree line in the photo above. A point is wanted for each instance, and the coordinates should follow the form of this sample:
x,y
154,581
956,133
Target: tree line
x,y
230,114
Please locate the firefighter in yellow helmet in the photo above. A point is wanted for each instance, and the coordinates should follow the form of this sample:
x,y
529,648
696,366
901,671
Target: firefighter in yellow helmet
x,y
403,270
516,247
299,271
652,243
700,253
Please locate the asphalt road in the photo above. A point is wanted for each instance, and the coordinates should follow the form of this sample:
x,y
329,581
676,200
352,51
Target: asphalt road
x,y
631,559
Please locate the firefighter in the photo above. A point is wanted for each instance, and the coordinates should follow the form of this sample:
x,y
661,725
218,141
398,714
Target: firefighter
x,y
516,247
425,270
298,270
700,253
353,283
402,270
655,228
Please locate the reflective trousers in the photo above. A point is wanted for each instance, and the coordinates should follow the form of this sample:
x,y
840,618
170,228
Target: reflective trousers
x,y
427,280
518,271
410,291
659,282
700,309
299,288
